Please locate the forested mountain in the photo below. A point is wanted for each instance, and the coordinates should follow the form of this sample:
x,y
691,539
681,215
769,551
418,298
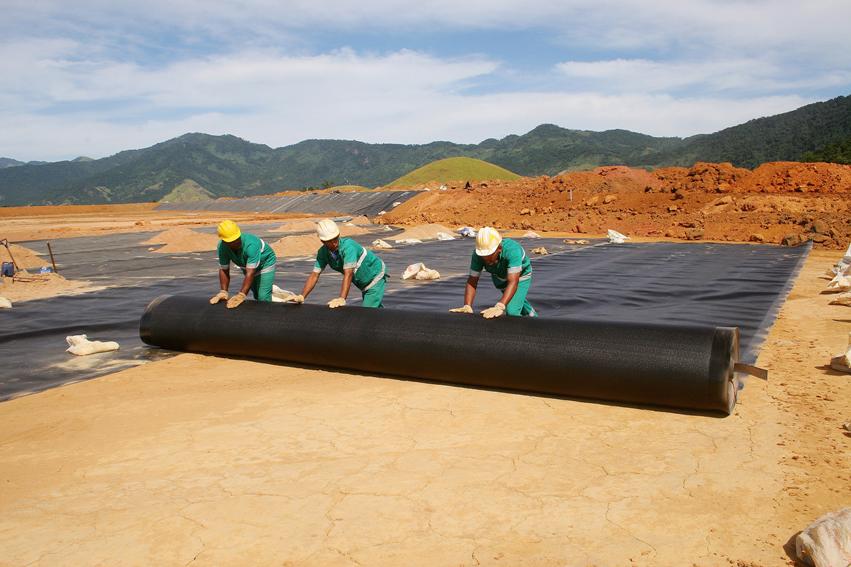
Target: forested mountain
x,y
227,165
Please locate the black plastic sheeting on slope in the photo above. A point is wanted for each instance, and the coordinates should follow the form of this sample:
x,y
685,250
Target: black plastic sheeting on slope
x,y
368,203
712,284
685,367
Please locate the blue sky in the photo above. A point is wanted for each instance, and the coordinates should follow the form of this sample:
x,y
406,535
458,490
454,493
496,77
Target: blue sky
x,y
95,77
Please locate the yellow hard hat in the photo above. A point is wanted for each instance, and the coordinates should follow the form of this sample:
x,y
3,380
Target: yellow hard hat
x,y
228,231
487,241
327,230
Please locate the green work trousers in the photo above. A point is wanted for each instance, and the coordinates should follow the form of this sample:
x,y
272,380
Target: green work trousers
x,y
519,306
373,296
261,287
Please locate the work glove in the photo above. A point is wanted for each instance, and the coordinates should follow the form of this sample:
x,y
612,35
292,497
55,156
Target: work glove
x,y
337,302
294,299
221,296
497,310
465,309
236,300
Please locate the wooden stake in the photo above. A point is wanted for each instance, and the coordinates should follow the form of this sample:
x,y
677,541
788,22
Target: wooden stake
x,y
52,261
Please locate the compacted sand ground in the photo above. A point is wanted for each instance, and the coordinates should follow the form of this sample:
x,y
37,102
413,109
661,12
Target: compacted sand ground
x,y
216,461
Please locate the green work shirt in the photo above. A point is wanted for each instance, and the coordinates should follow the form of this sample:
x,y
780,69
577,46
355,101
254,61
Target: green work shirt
x,y
368,267
512,260
254,253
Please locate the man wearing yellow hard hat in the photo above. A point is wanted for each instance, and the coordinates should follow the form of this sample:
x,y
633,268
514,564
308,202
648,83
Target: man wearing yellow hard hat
x,y
253,256
510,270
357,264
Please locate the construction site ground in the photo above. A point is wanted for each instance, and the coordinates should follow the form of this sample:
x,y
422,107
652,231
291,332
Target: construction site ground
x,y
208,460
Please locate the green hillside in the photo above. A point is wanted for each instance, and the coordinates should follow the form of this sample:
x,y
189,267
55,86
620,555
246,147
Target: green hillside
x,y
784,137
454,169
230,166
187,192
839,152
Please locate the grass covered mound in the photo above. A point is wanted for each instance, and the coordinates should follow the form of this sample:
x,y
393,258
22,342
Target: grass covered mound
x,y
454,169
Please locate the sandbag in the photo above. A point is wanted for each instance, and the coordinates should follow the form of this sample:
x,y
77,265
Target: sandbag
x,y
419,271
80,345
827,541
842,299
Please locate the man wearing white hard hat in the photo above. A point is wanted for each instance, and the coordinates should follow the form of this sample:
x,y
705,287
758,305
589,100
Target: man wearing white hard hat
x,y
510,270
358,265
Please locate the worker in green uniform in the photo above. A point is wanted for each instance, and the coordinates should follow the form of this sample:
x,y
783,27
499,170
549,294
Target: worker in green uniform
x,y
357,264
510,270
253,256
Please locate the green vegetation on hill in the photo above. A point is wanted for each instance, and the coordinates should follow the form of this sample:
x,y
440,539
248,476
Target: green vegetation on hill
x,y
840,152
454,169
784,137
9,162
187,192
227,165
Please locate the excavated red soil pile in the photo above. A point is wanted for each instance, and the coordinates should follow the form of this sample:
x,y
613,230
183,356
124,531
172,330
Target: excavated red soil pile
x,y
780,202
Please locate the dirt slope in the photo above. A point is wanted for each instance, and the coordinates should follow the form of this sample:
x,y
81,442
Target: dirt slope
x,y
776,201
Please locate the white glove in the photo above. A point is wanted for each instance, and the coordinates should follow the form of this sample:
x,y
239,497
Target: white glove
x,y
465,309
221,296
497,310
337,302
236,300
295,299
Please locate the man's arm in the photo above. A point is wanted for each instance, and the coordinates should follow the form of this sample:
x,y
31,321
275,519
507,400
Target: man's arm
x,y
347,282
510,288
470,290
249,279
310,284
224,279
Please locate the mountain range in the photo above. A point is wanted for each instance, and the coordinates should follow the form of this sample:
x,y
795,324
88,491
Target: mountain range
x,y
229,166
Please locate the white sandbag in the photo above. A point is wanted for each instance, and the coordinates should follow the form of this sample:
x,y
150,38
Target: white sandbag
x,y
419,271
427,274
409,241
531,234
827,541
444,236
839,283
81,345
540,250
5,303
842,299
378,243
412,270
280,295
843,266
396,204
616,237
842,362
467,231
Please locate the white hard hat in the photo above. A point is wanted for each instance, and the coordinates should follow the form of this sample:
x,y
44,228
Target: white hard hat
x,y
487,241
327,230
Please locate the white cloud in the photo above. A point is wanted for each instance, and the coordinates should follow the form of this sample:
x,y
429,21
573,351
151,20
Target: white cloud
x,y
403,97
753,25
97,76
708,76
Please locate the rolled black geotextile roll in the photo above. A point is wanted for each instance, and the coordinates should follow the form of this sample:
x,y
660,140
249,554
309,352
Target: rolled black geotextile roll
x,y
681,367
